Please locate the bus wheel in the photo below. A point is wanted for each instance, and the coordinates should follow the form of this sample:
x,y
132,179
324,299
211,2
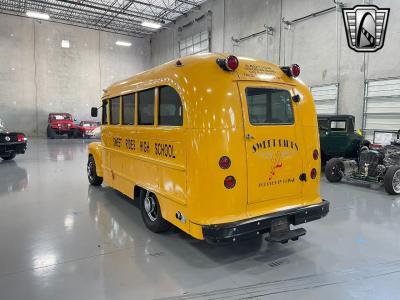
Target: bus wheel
x,y
92,174
151,212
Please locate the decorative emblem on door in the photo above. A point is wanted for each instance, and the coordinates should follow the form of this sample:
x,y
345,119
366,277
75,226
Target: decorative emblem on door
x,y
276,163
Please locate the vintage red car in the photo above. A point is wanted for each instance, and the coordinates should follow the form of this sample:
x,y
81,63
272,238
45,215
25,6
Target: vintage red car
x,y
86,128
60,124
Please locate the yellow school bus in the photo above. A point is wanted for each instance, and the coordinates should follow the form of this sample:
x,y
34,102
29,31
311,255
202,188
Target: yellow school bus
x,y
223,147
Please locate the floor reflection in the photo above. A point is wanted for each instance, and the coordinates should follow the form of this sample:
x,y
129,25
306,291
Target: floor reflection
x,y
13,178
64,150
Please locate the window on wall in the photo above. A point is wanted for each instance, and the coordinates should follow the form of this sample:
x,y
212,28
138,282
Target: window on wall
x,y
198,43
114,110
170,107
104,112
146,107
128,109
325,98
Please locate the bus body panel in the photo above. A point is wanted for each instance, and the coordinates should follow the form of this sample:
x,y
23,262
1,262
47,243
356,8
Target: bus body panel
x,y
181,164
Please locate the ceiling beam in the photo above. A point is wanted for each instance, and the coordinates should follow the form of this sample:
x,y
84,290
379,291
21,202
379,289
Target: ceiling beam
x,y
157,6
104,8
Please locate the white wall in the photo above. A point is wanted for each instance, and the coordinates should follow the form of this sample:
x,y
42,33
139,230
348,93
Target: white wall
x,y
315,43
37,76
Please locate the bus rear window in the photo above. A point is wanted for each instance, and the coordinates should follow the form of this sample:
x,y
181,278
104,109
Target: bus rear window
x,y
269,106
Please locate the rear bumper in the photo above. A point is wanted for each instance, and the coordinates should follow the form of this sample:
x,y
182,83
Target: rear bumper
x,y
13,147
236,231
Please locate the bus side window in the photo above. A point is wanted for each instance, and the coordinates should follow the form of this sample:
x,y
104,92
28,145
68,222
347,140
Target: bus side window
x,y
128,109
170,107
104,112
114,111
146,107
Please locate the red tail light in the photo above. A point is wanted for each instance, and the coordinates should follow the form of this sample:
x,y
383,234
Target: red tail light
x,y
313,173
315,154
295,70
292,70
224,162
21,138
231,63
229,182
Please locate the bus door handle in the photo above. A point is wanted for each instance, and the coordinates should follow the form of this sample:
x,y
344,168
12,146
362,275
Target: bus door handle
x,y
249,136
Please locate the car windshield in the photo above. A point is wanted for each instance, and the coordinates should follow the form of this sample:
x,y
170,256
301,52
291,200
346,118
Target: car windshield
x,y
61,117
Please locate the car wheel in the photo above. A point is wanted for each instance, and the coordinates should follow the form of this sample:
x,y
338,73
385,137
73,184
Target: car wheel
x,y
392,180
9,157
93,178
151,212
50,133
334,170
75,133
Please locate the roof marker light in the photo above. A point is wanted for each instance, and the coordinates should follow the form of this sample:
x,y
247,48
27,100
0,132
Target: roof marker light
x,y
231,63
292,70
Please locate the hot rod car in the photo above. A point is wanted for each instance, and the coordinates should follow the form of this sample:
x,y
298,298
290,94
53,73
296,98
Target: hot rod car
x,y
11,143
377,164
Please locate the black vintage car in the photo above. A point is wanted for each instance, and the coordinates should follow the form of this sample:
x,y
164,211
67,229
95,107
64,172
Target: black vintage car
x,y
378,164
338,137
11,143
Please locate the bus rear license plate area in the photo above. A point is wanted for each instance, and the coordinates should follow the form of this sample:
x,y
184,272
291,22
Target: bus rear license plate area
x,y
280,224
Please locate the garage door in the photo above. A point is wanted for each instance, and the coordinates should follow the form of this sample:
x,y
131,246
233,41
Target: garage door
x,y
382,105
325,98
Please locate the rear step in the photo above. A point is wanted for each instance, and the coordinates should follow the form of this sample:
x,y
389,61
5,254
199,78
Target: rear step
x,y
284,236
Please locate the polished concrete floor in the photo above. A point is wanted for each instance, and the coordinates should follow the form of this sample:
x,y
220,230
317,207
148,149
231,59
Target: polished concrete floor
x,y
61,239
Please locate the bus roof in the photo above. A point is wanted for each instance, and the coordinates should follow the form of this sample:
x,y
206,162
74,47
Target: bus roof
x,y
205,64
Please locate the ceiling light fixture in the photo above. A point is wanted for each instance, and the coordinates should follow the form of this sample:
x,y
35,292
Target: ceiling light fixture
x,y
122,43
37,15
151,25
65,44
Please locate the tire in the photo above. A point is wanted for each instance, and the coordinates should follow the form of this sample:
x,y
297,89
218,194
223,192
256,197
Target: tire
x,y
9,157
93,178
50,133
391,180
151,212
75,133
334,170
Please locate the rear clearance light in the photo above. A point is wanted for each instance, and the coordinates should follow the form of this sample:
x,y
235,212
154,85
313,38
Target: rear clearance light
x,y
292,70
224,162
21,138
231,63
230,182
315,154
313,173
